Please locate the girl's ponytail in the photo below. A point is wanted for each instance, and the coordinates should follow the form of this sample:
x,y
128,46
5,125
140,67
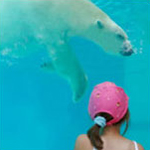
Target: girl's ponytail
x,y
94,136
94,133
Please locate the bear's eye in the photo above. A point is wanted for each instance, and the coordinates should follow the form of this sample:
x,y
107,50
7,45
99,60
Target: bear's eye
x,y
99,24
121,37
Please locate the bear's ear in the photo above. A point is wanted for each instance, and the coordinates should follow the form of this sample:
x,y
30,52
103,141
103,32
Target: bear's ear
x,y
99,24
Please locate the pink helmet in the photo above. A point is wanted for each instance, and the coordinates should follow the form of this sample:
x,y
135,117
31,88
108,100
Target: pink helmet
x,y
109,98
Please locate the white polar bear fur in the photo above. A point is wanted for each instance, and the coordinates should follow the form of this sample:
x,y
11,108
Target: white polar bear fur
x,y
53,23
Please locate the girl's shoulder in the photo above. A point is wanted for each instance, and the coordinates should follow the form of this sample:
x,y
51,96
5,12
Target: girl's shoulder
x,y
137,146
83,136
133,145
83,142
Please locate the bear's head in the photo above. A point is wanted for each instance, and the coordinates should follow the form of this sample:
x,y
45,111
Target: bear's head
x,y
107,34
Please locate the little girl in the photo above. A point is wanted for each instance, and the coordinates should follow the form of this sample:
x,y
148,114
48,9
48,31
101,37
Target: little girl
x,y
108,107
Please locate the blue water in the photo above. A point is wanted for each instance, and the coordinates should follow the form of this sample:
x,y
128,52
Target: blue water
x,y
37,111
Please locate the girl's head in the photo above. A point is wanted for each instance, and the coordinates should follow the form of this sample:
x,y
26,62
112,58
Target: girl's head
x,y
108,106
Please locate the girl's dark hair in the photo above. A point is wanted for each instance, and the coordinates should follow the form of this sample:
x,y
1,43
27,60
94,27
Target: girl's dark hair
x,y
94,134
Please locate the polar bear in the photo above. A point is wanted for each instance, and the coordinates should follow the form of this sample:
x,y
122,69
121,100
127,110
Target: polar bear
x,y
53,23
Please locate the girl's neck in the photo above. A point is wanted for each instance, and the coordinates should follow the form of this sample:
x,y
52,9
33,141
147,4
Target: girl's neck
x,y
111,131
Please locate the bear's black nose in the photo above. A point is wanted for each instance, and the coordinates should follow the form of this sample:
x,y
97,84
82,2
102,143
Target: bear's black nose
x,y
127,53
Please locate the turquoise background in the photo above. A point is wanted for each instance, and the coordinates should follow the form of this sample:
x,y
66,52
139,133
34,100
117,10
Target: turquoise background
x,y
36,109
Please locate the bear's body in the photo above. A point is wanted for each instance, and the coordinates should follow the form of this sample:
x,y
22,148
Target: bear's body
x,y
53,23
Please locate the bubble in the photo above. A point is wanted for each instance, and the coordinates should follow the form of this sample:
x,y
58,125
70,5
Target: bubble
x,y
5,51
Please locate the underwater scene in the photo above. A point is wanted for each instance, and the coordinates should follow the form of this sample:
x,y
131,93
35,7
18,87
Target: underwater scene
x,y
53,53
